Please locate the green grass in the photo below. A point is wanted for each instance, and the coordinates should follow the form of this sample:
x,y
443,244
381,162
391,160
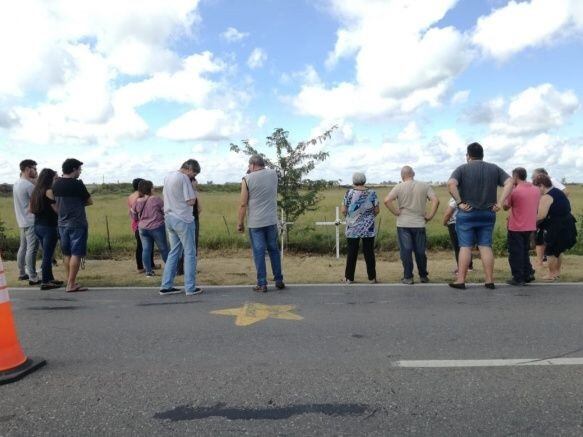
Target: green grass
x,y
219,217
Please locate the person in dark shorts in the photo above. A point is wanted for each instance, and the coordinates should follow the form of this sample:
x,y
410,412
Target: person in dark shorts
x,y
72,197
474,187
555,218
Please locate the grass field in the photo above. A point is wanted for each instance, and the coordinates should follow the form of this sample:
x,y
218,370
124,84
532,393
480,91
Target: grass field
x,y
218,225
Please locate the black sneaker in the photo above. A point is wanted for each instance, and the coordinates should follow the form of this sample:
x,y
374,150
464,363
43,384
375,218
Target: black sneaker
x,y
23,278
196,291
50,286
424,279
165,291
531,278
37,282
515,283
280,285
490,285
457,286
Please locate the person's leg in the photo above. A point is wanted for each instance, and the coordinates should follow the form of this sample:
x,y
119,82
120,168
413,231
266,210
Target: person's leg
x,y
65,249
139,251
21,255
406,251
466,238
48,239
515,255
159,235
173,256
487,257
454,242
147,247
74,264
259,245
529,270
32,244
186,233
271,237
406,247
420,250
369,257
539,249
351,257
554,263
78,238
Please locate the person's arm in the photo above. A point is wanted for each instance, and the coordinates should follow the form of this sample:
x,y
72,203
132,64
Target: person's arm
x,y
543,207
195,188
377,210
244,200
452,186
447,215
508,185
508,203
344,210
51,196
434,205
390,202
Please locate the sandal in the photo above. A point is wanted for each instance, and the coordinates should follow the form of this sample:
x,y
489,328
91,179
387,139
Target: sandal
x,y
260,288
551,278
77,289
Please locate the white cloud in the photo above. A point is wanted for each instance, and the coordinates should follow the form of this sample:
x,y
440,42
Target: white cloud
x,y
520,25
411,132
261,121
257,58
201,125
460,97
533,111
233,35
402,60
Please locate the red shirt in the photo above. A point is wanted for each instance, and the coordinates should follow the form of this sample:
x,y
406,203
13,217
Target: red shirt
x,y
524,206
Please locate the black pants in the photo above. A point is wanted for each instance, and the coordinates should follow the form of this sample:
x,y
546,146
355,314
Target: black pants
x,y
139,263
456,245
352,255
518,257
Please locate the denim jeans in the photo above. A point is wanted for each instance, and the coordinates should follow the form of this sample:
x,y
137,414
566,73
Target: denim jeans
x,y
413,241
148,237
48,237
181,235
26,257
263,239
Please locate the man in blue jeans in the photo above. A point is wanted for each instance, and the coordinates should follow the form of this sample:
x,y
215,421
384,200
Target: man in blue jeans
x,y
474,188
259,203
412,197
179,197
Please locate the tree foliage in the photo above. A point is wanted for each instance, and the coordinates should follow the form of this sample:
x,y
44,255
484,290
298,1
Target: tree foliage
x,y
297,194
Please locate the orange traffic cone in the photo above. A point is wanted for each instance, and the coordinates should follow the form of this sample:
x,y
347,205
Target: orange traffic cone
x,y
14,365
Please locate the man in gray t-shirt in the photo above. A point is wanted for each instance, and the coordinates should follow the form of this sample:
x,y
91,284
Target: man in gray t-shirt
x,y
28,248
259,203
474,188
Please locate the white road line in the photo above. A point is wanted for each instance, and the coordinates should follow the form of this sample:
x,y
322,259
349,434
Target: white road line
x,y
489,363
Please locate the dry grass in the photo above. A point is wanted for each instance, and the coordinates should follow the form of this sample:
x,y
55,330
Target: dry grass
x,y
236,268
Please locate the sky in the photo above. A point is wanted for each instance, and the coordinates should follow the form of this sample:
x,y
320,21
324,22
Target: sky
x,y
133,88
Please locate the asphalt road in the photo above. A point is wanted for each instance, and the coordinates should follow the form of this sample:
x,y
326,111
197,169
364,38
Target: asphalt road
x,y
312,360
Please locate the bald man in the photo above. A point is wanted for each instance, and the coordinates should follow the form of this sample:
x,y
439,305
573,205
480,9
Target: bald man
x,y
411,197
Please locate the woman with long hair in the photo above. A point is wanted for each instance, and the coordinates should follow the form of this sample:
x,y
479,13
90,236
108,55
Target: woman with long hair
x,y
148,211
43,206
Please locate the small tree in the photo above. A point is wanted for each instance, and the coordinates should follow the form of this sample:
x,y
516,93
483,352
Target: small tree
x,y
293,163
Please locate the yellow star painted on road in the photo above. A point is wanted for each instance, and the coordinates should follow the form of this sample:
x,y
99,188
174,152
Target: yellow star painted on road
x,y
255,312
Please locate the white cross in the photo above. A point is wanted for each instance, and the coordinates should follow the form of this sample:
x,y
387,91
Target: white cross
x,y
282,226
336,223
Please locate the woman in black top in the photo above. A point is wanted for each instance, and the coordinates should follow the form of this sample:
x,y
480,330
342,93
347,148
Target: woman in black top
x,y
557,222
42,205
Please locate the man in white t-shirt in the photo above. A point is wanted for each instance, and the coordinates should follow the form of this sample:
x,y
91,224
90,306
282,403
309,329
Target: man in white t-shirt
x,y
539,236
28,248
179,197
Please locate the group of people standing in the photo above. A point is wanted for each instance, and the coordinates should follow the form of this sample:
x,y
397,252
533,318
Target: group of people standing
x,y
538,207
49,208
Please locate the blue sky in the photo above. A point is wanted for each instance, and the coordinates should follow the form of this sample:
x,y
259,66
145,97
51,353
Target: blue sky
x,y
135,88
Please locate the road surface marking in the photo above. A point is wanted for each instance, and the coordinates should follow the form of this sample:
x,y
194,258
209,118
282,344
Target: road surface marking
x,y
255,312
490,363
